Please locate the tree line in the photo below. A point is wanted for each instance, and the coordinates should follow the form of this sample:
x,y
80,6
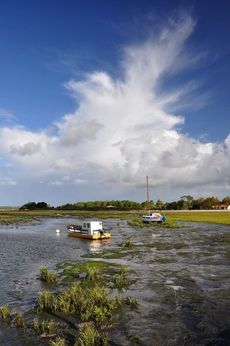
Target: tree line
x,y
185,202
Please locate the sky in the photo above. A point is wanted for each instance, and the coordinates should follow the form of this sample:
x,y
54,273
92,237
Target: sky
x,y
97,95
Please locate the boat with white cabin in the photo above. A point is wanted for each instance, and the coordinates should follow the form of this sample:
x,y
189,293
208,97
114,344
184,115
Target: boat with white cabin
x,y
88,230
153,217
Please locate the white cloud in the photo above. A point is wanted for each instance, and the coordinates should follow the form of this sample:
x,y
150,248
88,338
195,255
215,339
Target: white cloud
x,y
7,181
6,115
79,181
125,128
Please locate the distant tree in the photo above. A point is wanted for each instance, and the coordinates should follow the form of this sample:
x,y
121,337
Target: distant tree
x,y
66,206
187,202
173,205
210,202
42,205
159,204
148,205
79,205
198,203
28,206
226,200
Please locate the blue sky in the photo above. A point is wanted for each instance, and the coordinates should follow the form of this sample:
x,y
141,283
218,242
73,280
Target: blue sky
x,y
94,95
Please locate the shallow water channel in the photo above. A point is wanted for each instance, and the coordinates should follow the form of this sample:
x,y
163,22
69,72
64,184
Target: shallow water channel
x,y
180,277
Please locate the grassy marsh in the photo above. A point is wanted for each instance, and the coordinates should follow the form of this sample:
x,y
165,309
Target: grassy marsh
x,y
89,300
84,311
16,216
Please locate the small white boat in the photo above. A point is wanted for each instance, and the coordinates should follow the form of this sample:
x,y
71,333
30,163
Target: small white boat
x,y
88,230
153,217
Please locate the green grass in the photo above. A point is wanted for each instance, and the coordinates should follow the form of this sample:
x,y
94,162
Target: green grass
x,y
106,255
138,223
74,269
16,216
166,246
221,217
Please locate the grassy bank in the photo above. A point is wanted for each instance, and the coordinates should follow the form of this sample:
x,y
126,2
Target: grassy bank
x,y
16,216
86,304
221,217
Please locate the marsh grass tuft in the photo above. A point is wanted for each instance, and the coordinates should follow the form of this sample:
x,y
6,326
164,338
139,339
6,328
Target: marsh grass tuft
x,y
36,326
120,281
134,340
18,320
92,272
45,301
48,327
128,244
90,336
44,327
132,302
5,313
136,222
47,276
88,304
58,342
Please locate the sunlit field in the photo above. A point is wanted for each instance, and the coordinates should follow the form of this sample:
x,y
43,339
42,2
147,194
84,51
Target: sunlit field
x,y
16,216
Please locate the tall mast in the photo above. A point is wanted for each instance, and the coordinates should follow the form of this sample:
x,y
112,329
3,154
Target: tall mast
x,y
147,184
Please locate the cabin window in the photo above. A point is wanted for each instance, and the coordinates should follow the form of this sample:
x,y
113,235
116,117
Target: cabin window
x,y
84,224
88,225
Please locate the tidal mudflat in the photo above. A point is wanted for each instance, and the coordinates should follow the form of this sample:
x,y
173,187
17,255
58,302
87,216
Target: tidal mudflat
x,y
179,279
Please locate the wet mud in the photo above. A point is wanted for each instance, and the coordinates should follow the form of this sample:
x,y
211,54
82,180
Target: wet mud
x,y
181,278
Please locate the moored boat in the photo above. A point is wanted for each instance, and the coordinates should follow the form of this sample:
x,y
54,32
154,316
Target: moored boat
x,y
88,230
153,217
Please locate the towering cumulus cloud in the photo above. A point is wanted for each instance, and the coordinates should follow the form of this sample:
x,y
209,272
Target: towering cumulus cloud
x,y
125,128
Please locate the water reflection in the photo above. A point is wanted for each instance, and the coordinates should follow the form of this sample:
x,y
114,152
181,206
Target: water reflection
x,y
96,246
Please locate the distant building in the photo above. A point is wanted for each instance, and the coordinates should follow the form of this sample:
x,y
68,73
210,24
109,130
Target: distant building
x,y
221,207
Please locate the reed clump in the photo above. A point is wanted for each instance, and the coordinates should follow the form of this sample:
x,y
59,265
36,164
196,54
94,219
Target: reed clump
x,y
90,336
18,320
120,281
128,244
92,272
136,222
5,312
132,302
87,304
58,342
45,301
44,327
47,276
